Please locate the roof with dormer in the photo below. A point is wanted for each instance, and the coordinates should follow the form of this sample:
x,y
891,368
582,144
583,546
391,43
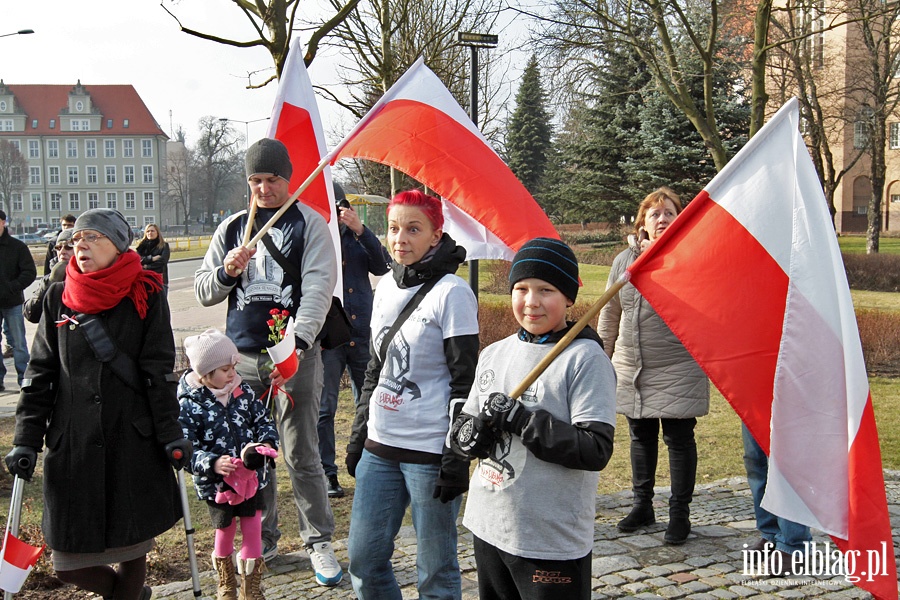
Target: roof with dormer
x,y
44,102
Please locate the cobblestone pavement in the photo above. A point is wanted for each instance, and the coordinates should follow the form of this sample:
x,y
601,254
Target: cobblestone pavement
x,y
638,565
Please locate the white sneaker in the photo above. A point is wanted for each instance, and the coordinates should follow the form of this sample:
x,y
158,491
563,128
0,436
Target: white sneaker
x,y
269,552
325,564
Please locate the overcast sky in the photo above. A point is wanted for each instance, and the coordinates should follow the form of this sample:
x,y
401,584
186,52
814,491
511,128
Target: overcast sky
x,y
181,78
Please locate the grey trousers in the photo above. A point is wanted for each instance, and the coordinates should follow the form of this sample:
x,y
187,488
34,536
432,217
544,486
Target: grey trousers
x,y
299,445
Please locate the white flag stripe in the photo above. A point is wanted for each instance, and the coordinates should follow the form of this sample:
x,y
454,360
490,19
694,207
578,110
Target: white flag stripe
x,y
477,239
12,578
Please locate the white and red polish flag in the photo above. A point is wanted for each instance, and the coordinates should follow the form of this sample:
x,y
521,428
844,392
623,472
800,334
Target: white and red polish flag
x,y
296,123
418,127
750,278
18,559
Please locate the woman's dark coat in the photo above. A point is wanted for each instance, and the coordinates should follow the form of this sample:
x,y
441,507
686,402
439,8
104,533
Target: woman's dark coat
x,y
107,481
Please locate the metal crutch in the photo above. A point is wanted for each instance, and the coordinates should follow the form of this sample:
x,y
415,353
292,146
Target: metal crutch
x,y
188,528
15,510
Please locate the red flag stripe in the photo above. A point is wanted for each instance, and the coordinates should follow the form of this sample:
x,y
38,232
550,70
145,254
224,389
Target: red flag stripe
x,y
295,129
442,153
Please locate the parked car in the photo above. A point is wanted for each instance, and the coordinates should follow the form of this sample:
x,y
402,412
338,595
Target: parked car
x,y
30,238
49,236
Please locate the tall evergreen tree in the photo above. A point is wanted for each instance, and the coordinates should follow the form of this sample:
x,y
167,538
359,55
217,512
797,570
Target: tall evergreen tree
x,y
529,133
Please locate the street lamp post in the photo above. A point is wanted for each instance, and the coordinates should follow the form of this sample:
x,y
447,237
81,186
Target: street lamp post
x,y
19,32
475,41
246,127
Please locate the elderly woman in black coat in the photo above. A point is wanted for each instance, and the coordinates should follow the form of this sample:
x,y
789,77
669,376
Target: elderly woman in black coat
x,y
111,438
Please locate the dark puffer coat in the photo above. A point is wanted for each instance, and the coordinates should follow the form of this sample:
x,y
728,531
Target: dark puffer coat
x,y
107,482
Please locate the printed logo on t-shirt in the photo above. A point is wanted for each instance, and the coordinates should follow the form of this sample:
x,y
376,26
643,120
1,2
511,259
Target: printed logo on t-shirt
x,y
485,379
394,389
507,458
264,277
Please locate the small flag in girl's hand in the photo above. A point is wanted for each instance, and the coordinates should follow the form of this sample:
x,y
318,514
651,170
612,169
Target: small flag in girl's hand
x,y
18,560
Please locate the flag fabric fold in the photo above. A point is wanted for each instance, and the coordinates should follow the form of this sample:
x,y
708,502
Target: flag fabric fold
x,y
18,560
418,127
751,279
296,123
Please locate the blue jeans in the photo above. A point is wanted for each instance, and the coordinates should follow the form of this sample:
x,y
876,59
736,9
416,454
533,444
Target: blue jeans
x,y
14,324
384,488
788,536
354,357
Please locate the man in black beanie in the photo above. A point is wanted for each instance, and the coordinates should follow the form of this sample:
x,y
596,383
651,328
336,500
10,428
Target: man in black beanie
x,y
293,269
17,271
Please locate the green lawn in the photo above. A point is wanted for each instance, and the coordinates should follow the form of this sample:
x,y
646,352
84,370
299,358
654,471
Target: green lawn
x,y
856,244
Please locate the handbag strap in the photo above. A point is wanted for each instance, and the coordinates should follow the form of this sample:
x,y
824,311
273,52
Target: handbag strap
x,y
289,267
404,315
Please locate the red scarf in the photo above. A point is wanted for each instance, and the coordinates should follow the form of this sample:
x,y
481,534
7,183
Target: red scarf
x,y
92,293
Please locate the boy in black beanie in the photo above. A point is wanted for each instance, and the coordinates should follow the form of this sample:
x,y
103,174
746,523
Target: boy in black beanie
x,y
540,454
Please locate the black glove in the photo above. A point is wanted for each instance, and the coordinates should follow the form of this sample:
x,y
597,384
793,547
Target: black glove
x,y
21,461
504,413
252,459
351,461
472,437
179,453
453,479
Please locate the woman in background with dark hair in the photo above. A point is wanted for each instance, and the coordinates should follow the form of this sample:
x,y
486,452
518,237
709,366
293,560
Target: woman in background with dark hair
x,y
154,253
414,387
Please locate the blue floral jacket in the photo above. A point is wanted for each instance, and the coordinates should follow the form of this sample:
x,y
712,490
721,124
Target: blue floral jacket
x,y
215,430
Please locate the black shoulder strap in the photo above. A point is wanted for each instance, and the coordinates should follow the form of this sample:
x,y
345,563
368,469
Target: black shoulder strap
x,y
289,267
404,315
105,350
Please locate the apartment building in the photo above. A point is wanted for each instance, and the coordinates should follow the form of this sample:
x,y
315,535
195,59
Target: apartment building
x,y
87,146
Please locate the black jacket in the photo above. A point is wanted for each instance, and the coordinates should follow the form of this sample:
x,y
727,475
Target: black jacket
x,y
17,270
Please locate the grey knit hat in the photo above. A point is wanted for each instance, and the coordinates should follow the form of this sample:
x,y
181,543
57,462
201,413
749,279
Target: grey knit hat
x,y
268,156
209,351
65,236
547,259
109,222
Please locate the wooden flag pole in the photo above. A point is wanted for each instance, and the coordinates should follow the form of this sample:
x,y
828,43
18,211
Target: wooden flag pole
x,y
248,231
562,344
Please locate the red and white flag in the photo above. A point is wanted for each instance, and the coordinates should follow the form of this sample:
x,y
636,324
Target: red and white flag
x,y
750,278
284,353
17,562
418,127
296,123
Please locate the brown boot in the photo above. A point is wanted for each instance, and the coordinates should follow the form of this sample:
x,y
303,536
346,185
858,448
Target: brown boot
x,y
251,570
224,566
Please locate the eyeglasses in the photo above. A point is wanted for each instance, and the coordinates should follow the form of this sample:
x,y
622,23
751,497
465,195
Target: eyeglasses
x,y
90,238
67,246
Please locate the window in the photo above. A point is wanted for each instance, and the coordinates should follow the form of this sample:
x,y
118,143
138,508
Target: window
x,y
894,136
129,174
90,148
109,123
131,221
37,221
862,210
17,203
75,125
148,201
79,106
91,175
36,203
125,123
147,148
34,123
129,201
93,200
15,175
52,123
862,127
128,148
55,201
73,175
34,149
895,198
74,201
16,144
54,175
2,105
71,149
111,200
148,173
6,124
34,175
111,174
52,148
109,148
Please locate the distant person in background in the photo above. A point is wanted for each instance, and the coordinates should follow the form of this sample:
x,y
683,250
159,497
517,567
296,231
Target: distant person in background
x,y
154,253
65,250
17,272
362,253
66,222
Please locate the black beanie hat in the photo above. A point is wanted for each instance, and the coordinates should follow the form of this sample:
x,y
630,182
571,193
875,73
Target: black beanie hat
x,y
268,156
547,259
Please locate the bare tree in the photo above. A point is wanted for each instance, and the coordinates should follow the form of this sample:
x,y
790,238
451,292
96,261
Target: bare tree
x,y
13,168
219,166
383,38
273,24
